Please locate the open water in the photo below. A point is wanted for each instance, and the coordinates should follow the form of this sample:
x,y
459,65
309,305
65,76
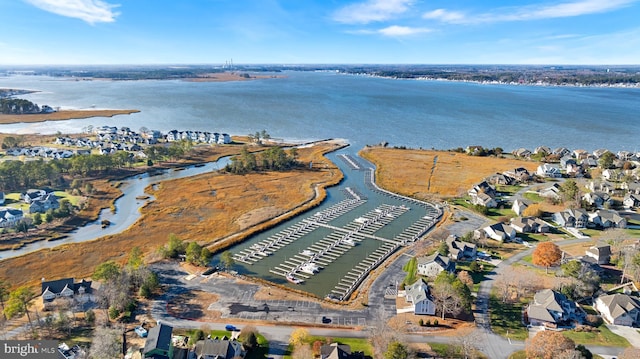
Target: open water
x,y
364,110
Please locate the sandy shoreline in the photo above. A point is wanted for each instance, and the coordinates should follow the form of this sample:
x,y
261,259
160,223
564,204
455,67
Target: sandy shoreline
x,y
61,115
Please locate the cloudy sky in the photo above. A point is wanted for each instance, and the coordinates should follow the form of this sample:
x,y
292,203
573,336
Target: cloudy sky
x,y
319,31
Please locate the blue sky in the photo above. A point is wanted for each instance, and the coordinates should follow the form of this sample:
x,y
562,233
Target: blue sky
x,y
319,31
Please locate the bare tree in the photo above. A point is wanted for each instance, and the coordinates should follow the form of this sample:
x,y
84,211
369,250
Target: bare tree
x,y
468,344
381,335
106,343
302,351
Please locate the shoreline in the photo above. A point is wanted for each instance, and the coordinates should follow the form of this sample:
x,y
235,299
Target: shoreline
x,y
62,115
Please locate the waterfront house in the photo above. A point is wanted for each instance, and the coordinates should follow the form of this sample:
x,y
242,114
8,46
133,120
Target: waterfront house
x,y
218,348
64,288
9,217
418,295
499,231
548,170
619,309
432,265
551,309
460,249
519,205
600,253
542,150
158,344
43,204
561,152
522,152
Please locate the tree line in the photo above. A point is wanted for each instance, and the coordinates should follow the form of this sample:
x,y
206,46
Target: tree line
x,y
273,158
18,106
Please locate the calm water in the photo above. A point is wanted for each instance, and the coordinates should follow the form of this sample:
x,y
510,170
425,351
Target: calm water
x,y
364,110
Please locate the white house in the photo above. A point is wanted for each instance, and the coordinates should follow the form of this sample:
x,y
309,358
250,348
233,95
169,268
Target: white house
x,y
9,217
519,205
548,170
64,288
418,295
619,309
432,265
500,232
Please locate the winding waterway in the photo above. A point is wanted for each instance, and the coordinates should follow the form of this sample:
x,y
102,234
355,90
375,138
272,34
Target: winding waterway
x,y
127,207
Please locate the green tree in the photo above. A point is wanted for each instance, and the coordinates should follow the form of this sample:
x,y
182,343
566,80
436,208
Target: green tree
x,y
570,191
90,316
175,247
37,219
571,269
135,258
193,252
443,249
48,217
19,302
106,271
396,350
226,259
606,160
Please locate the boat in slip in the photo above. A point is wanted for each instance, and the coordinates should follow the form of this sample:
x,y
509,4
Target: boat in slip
x,y
293,279
309,268
308,253
262,253
349,242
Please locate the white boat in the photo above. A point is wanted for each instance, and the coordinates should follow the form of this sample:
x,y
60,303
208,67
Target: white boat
x,y
262,254
349,242
308,253
293,279
309,268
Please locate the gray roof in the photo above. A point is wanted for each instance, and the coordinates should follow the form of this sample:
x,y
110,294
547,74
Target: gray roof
x,y
159,337
218,348
441,260
620,304
418,291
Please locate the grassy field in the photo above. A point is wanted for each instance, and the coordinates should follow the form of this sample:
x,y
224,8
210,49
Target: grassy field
x,y
213,218
62,115
428,173
603,336
506,319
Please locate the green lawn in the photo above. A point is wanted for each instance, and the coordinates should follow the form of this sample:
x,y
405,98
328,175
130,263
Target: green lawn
x,y
603,337
478,276
533,197
508,190
356,344
507,318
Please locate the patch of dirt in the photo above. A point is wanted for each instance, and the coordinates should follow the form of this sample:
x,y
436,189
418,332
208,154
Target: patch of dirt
x,y
193,305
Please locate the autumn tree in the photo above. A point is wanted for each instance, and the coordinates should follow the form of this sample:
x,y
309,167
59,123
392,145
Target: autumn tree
x,y
547,254
533,210
465,278
249,337
548,344
298,336
302,351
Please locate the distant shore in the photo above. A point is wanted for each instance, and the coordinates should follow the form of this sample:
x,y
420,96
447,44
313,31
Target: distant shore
x,y
61,115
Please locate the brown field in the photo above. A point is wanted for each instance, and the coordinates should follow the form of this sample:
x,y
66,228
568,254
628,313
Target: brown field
x,y
193,211
413,173
62,115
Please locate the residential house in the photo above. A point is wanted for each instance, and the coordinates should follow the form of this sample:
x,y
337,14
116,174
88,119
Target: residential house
x,y
432,265
548,170
631,187
580,154
571,217
614,175
9,217
552,192
542,149
218,349
619,309
224,139
339,351
519,205
34,194
561,152
589,162
600,253
567,160
65,288
607,219
502,179
483,187
599,152
158,344
500,232
522,152
631,200
551,309
598,199
521,174
418,295
460,249
529,225
483,199
45,203
601,186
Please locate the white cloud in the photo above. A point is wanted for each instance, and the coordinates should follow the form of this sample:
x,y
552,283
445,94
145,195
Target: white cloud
x,y
371,11
444,15
531,12
90,11
396,30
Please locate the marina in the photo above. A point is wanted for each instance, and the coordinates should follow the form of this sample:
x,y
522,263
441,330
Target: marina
x,y
331,250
